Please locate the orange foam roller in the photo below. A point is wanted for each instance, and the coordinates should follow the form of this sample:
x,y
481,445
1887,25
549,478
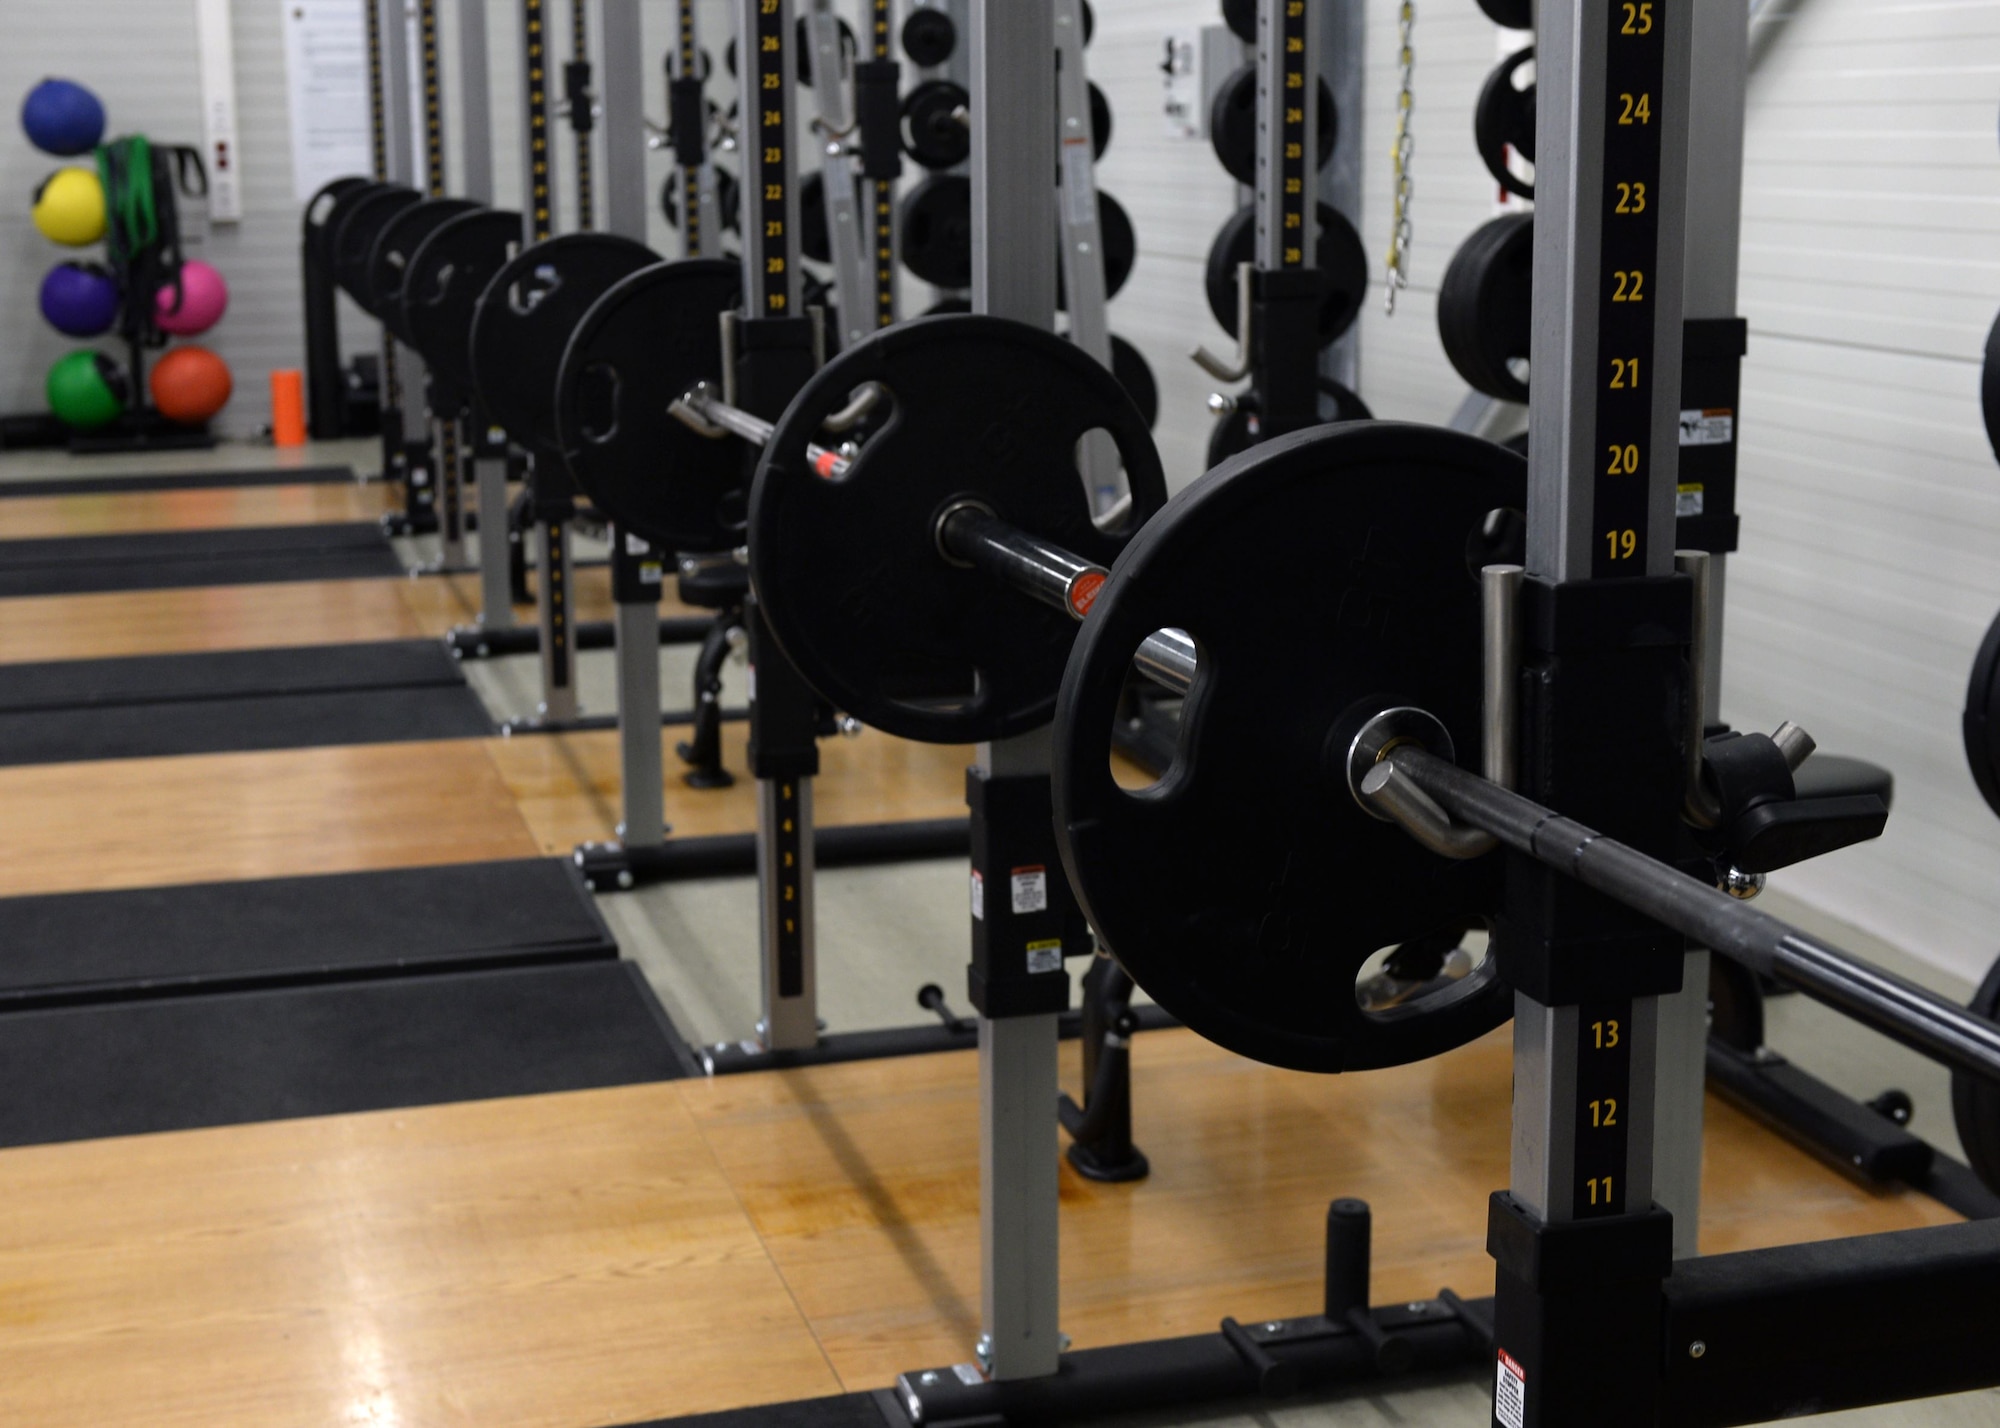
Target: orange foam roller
x,y
288,407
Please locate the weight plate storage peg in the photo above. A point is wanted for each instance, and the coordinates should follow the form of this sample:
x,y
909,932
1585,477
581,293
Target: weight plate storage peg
x,y
1233,429
524,318
1232,124
1322,576
1342,263
639,349
854,582
1484,306
1504,118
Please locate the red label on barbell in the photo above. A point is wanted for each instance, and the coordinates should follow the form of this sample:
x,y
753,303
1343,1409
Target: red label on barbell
x,y
1083,591
826,464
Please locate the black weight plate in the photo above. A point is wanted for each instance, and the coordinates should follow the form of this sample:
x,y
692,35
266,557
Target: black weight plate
x,y
1135,375
1322,575
1119,242
728,200
933,135
1100,122
1504,118
447,273
848,568
1234,431
936,228
929,37
1980,722
640,348
1975,1103
346,194
1989,387
1485,305
1342,263
524,318
389,258
815,239
354,239
1241,17
1510,14
947,305
1232,124
1089,22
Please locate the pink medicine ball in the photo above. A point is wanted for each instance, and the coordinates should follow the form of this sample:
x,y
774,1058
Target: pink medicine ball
x,y
203,298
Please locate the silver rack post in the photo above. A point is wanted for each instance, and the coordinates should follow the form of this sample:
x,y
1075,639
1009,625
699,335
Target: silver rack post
x,y
1013,90
1590,517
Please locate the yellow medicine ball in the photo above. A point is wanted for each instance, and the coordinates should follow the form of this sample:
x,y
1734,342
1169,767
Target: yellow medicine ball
x,y
69,207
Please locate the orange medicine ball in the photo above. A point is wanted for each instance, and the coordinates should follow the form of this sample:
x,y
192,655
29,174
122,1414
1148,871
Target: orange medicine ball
x,y
190,384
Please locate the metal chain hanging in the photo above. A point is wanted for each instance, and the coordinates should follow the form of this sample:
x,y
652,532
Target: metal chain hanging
x,y
1398,275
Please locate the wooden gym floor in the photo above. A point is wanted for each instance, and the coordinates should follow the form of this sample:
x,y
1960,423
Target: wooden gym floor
x,y
610,1256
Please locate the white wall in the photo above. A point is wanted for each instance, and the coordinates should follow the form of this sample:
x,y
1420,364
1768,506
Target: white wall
x,y
1870,501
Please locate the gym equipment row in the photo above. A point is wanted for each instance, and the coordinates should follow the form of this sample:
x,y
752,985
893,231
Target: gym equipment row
x,y
941,575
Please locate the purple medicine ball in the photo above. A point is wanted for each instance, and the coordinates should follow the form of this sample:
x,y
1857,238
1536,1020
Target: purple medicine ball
x,y
79,299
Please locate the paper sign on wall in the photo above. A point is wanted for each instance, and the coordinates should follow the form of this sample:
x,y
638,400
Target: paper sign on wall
x,y
326,65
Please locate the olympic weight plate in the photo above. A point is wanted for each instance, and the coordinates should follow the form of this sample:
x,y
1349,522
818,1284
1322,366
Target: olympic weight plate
x,y
929,37
525,315
1504,118
389,257
1485,306
1975,1103
1232,124
1342,263
934,133
639,349
935,221
1323,576
848,567
354,239
335,204
1510,14
447,273
1989,387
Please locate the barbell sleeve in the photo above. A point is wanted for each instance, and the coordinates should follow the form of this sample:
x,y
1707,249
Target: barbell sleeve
x,y
1900,1009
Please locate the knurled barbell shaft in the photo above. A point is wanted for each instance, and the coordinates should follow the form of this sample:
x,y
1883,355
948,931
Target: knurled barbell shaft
x,y
1899,1009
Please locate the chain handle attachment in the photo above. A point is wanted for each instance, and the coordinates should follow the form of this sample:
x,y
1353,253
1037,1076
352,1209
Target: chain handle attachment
x,y
1397,276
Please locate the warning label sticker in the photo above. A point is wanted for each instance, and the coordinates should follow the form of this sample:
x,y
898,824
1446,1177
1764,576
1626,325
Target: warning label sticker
x,y
1045,956
1688,500
1031,889
1715,426
978,896
1510,1392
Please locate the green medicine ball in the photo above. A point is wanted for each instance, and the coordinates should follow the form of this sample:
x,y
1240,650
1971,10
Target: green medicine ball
x,y
86,391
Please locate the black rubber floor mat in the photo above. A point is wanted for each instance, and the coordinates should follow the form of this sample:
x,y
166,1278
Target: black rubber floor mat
x,y
67,948
152,706
81,1073
177,481
160,560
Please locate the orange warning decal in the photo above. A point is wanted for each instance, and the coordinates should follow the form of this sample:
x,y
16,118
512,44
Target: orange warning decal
x,y
1083,591
826,464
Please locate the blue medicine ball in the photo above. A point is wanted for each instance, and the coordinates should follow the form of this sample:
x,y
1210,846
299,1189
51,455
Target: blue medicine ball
x,y
80,299
62,117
